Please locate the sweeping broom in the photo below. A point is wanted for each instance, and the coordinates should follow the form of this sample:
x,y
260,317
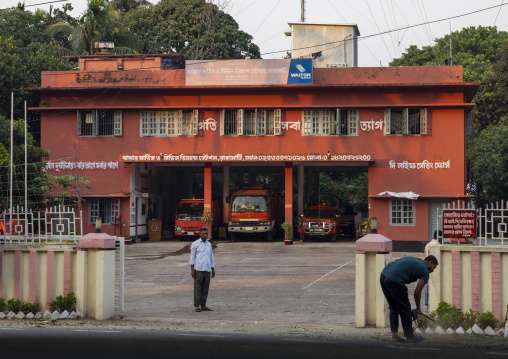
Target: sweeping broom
x,y
506,324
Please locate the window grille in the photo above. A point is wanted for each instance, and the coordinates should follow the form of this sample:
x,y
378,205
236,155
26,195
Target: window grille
x,y
405,121
169,123
346,123
402,212
250,122
319,122
99,122
107,209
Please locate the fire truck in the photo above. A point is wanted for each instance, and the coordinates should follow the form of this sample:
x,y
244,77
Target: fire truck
x,y
188,217
254,210
320,222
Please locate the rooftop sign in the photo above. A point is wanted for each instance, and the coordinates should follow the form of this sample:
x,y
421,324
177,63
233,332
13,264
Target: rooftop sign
x,y
248,72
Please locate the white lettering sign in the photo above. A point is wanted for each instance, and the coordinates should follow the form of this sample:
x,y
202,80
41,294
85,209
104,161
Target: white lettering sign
x,y
424,165
371,125
90,165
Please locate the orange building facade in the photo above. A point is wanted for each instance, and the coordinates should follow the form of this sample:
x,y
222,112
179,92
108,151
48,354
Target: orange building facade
x,y
140,131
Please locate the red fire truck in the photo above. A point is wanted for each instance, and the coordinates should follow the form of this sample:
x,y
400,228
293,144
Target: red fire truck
x,y
188,217
254,210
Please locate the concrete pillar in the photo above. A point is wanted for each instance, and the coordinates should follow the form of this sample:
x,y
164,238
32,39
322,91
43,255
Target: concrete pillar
x,y
316,184
208,193
372,256
288,190
187,184
225,193
95,295
300,199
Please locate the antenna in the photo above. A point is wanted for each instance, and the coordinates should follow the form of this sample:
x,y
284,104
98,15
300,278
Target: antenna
x,y
302,18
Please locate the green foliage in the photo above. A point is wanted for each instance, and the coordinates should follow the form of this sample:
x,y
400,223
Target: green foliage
x,y
288,230
61,303
488,156
14,305
61,188
27,307
207,218
2,304
483,53
197,29
487,319
350,188
99,22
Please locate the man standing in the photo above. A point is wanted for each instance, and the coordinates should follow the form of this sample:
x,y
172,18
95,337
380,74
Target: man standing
x,y
394,278
202,263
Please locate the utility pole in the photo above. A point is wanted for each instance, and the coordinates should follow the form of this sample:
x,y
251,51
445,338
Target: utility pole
x,y
302,18
77,176
26,176
451,54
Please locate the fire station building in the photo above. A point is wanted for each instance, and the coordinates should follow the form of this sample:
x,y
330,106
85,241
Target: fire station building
x,y
143,124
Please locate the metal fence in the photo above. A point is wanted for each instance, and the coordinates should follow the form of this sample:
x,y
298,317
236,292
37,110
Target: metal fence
x,y
53,225
491,222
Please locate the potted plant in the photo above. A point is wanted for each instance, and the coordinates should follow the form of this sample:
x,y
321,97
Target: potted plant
x,y
207,220
288,231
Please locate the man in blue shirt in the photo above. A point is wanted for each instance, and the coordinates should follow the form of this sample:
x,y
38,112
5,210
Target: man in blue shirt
x,y
394,278
202,263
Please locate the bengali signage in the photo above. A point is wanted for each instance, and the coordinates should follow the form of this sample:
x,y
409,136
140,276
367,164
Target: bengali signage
x,y
459,223
248,72
170,157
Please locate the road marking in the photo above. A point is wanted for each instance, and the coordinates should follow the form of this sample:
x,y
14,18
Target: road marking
x,y
202,335
410,348
97,331
330,272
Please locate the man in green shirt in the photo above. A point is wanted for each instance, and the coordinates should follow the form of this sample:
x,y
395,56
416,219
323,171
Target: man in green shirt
x,y
394,278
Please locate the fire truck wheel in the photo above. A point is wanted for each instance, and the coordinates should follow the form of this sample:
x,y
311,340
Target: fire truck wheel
x,y
334,237
233,237
269,236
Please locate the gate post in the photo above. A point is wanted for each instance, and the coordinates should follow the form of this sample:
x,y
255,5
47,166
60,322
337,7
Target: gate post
x,y
95,293
371,258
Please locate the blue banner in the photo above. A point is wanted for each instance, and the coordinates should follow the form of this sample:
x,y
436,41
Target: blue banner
x,y
300,72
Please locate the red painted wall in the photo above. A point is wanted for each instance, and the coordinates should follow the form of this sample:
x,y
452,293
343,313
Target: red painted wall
x,y
440,89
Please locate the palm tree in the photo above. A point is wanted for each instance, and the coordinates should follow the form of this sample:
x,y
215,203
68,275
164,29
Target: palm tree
x,y
99,22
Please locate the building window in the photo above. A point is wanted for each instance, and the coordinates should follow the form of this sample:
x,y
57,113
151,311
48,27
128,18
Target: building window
x,y
169,123
405,121
250,122
99,123
342,122
402,212
107,209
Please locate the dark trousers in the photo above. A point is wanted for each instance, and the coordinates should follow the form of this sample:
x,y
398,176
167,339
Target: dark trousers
x,y
201,286
398,301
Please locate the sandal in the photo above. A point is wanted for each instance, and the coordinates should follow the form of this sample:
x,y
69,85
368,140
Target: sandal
x,y
206,309
198,309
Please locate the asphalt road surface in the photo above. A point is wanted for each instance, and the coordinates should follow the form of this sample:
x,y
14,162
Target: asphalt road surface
x,y
114,343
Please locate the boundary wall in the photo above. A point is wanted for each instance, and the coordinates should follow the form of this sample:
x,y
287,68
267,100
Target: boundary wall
x,y
470,277
41,273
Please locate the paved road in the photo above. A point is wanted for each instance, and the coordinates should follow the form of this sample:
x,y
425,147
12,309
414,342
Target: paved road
x,y
98,343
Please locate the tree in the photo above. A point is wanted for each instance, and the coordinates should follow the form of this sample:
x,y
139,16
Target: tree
x,y
63,188
35,157
475,49
99,22
197,29
124,6
483,53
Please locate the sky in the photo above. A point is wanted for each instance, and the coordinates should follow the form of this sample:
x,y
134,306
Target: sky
x,y
400,20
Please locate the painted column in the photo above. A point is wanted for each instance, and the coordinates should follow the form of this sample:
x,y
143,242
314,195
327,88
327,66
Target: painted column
x,y
208,193
96,276
301,182
288,190
225,193
372,256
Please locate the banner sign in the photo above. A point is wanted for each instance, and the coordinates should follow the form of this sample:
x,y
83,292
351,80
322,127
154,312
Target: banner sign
x,y
171,157
459,223
248,72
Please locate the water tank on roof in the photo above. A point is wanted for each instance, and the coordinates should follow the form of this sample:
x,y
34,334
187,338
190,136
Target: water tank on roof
x,y
329,45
